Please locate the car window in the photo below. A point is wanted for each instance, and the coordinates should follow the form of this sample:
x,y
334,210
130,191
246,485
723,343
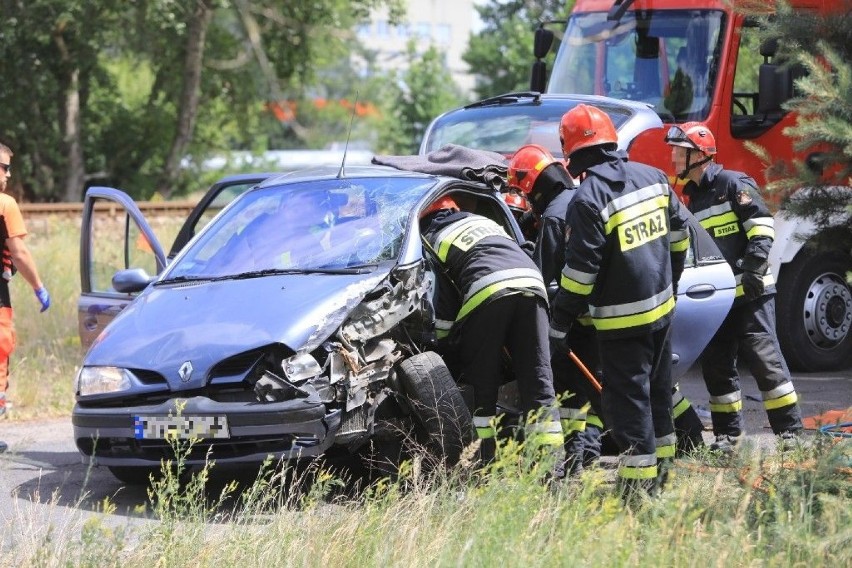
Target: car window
x,y
505,129
111,253
222,199
325,224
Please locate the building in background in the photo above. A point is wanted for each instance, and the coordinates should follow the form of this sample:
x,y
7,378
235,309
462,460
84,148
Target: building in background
x,y
446,24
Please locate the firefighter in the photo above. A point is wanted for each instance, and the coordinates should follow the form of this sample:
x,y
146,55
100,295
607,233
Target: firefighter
x,y
544,181
728,205
501,301
623,219
534,172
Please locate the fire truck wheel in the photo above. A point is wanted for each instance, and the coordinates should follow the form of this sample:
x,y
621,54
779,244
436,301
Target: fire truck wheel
x,y
814,311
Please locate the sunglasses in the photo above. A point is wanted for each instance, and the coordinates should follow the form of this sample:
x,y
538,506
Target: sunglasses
x,y
6,167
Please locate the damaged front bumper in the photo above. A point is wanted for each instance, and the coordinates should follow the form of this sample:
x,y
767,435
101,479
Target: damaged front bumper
x,y
255,431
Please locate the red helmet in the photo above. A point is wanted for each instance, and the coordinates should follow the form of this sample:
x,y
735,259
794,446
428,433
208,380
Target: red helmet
x,y
517,203
692,135
445,202
584,126
526,165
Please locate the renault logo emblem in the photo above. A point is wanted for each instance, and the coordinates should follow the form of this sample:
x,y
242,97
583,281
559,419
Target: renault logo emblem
x,y
185,371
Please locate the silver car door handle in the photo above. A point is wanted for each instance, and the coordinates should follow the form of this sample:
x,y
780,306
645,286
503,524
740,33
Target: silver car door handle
x,y
700,291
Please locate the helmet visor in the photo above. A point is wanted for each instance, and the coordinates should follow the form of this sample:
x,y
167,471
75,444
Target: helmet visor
x,y
678,137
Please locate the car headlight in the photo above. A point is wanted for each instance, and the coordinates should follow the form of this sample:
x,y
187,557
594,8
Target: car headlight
x,y
101,380
300,367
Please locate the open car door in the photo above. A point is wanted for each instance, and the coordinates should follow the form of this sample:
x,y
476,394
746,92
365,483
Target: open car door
x,y
118,251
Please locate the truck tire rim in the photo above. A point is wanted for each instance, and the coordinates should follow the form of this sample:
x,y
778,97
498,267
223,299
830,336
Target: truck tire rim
x,y
827,311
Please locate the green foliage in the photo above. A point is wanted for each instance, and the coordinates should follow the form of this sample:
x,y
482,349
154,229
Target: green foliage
x,y
760,510
104,79
824,106
501,54
413,98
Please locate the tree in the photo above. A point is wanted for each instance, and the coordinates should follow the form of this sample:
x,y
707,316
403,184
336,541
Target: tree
x,y
824,107
501,54
120,92
414,97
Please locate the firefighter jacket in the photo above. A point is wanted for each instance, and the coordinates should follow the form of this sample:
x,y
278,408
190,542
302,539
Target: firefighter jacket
x,y
627,241
483,262
729,207
549,254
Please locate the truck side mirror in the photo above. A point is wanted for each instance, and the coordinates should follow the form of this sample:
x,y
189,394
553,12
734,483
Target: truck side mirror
x,y
538,78
542,42
775,87
775,82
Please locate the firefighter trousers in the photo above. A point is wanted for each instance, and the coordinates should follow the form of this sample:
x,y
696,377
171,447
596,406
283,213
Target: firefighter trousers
x,y
577,397
749,331
637,402
520,323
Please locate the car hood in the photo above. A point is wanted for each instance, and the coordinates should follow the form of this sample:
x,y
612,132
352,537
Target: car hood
x,y
207,322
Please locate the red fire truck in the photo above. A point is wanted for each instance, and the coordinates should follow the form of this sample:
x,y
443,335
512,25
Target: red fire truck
x,y
700,60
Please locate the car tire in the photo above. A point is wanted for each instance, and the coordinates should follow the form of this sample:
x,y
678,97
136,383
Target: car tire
x,y
814,311
442,419
135,475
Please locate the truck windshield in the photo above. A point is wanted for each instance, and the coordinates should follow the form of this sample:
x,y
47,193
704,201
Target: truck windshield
x,y
668,58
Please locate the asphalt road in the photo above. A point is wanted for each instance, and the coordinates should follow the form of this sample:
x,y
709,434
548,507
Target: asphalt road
x,y
42,476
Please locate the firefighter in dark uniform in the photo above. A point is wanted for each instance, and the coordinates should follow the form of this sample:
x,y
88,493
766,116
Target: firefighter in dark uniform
x,y
536,174
626,245
728,205
501,301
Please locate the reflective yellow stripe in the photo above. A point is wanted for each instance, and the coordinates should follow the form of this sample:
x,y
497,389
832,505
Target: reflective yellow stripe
x,y
761,231
644,472
760,226
727,407
719,220
477,228
574,286
629,213
680,245
484,427
634,320
666,445
486,292
680,407
441,333
485,433
781,402
667,451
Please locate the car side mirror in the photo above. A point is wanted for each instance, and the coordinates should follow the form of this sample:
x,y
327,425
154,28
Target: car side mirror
x,y
131,280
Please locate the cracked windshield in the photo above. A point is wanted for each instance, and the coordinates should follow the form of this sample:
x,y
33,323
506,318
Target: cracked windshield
x,y
333,224
666,58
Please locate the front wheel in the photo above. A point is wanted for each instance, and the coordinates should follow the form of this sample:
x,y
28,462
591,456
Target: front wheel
x,y
443,421
814,311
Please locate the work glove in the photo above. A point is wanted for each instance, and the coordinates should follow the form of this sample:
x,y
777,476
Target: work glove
x,y
43,297
753,270
558,335
528,247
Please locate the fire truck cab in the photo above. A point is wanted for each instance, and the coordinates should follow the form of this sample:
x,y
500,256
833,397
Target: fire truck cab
x,y
699,60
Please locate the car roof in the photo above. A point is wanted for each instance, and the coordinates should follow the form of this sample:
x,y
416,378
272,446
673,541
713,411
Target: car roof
x,y
506,122
349,172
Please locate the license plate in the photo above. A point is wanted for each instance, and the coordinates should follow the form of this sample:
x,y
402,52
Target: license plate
x,y
180,427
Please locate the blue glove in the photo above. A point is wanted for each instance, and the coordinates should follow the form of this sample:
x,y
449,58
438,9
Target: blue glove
x,y
43,296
